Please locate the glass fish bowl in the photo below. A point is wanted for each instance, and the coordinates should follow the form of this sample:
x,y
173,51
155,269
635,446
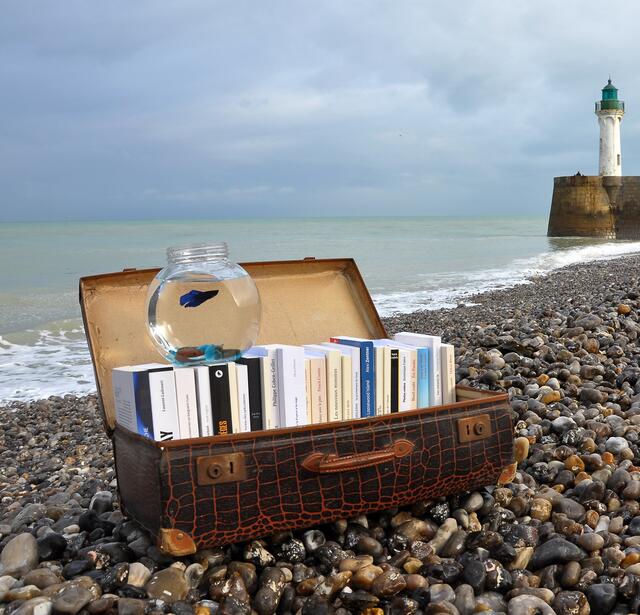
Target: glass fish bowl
x,y
202,308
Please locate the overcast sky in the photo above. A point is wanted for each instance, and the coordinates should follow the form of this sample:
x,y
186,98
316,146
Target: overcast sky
x,y
197,108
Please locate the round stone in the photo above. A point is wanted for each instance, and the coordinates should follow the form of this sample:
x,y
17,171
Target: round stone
x,y
169,585
19,555
602,597
541,509
591,542
571,603
616,445
71,600
556,551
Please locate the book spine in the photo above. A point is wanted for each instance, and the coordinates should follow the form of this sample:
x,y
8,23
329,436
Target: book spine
x,y
144,414
125,399
448,364
357,397
307,387
423,377
319,412
271,414
395,379
334,385
404,402
233,398
244,413
379,379
386,369
435,375
203,391
293,405
164,406
254,376
187,402
347,387
413,379
367,374
220,399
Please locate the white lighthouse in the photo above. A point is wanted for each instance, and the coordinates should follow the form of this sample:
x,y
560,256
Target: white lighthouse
x,y
610,111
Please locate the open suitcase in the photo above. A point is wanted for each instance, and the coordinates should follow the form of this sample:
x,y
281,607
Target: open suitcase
x,y
192,494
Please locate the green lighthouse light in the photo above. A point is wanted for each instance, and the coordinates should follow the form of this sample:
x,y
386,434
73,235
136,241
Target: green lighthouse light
x,y
610,98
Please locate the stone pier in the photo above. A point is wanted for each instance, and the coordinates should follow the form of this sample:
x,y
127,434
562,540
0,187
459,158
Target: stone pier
x,y
595,206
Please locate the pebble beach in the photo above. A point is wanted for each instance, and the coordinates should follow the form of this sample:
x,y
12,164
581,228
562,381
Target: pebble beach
x,y
563,537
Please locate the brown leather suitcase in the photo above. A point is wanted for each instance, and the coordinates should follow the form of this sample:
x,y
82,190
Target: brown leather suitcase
x,y
192,494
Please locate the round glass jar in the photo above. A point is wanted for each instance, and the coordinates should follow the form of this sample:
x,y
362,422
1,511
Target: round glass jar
x,y
202,308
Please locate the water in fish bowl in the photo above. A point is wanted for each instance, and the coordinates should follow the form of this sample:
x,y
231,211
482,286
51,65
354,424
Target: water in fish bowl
x,y
196,318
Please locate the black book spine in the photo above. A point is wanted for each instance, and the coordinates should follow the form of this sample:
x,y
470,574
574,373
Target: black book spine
x,y
254,373
144,414
220,399
395,366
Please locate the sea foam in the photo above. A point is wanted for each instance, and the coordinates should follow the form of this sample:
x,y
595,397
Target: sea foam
x,y
451,289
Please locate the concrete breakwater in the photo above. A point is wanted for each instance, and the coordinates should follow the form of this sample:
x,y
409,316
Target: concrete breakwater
x,y
595,206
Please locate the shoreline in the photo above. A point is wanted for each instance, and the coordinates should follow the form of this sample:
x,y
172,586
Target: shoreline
x,y
441,321
565,534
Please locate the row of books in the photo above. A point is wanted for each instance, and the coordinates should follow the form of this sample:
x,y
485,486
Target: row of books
x,y
279,385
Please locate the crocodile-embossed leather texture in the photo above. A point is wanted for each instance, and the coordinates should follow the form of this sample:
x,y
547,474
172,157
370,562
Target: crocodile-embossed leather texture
x,y
278,493
138,471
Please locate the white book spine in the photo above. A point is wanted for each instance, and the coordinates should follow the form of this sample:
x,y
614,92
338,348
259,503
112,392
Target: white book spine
x,y
242,378
379,380
354,351
334,385
272,408
164,405
307,388
203,389
233,398
270,389
448,363
357,397
404,400
387,379
318,390
347,388
413,379
333,358
435,375
187,402
293,406
125,400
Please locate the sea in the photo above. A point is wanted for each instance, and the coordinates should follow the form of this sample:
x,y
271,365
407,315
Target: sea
x,y
408,264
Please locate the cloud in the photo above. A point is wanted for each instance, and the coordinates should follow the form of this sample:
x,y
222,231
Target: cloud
x,y
116,110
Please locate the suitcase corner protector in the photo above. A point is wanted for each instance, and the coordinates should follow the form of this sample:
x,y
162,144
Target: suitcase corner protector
x,y
176,542
508,474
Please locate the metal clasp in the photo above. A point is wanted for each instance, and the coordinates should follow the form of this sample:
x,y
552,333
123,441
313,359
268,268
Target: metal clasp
x,y
474,428
221,469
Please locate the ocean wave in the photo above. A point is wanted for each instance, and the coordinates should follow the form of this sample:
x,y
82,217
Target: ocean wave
x,y
37,364
458,287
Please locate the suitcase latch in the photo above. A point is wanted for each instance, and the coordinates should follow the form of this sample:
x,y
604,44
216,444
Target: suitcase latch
x,y
221,469
474,428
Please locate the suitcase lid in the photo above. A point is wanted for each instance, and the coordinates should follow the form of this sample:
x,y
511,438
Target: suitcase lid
x,y
303,302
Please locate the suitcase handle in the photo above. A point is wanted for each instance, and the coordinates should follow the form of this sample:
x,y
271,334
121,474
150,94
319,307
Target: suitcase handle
x,y
327,463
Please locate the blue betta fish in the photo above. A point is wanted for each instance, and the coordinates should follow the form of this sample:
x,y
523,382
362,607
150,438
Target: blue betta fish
x,y
194,298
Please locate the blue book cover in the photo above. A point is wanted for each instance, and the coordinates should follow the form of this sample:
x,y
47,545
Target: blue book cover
x,y
142,392
367,372
423,377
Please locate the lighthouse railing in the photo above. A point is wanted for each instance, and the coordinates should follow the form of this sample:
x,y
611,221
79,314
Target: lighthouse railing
x,y
608,105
